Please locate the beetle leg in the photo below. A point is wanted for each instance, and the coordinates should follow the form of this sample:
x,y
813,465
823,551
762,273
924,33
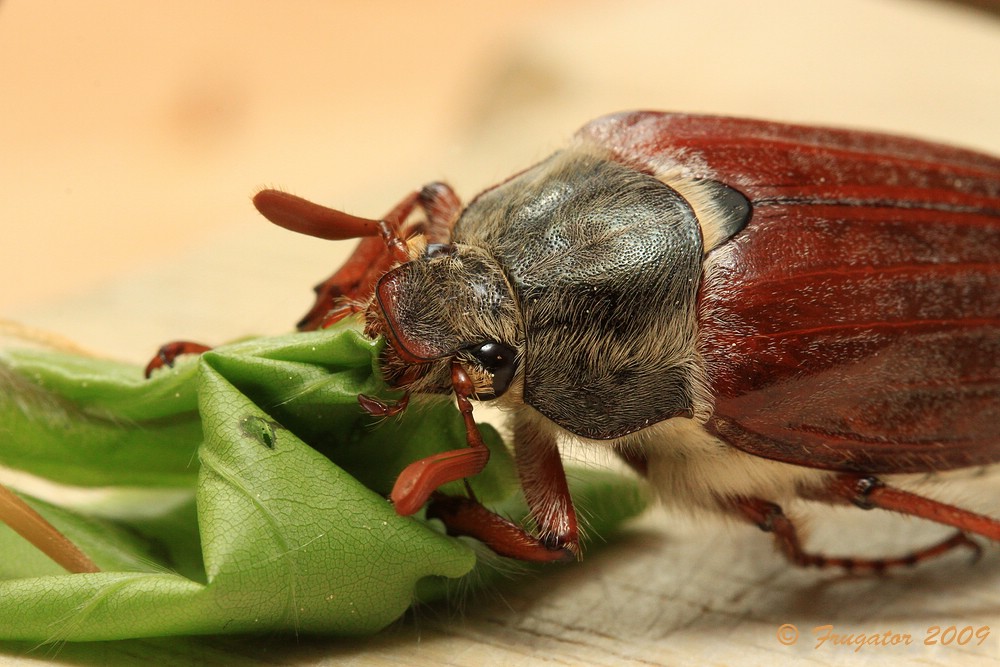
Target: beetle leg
x,y
465,516
547,494
442,206
379,408
421,478
770,518
870,493
345,284
370,259
168,353
540,469
542,477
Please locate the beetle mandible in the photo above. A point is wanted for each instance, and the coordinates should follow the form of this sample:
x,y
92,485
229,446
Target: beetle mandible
x,y
747,312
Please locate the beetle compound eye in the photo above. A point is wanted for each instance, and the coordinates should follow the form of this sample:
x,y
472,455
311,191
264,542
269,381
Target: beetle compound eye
x,y
498,360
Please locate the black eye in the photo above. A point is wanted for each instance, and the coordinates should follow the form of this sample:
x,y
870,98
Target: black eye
x,y
499,360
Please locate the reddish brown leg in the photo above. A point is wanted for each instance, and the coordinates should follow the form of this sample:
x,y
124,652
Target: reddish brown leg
x,y
339,296
542,477
465,516
547,494
372,257
343,284
169,353
422,478
442,207
379,408
870,492
770,518
539,466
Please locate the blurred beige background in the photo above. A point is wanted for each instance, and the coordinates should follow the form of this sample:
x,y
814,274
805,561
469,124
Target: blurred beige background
x,y
134,134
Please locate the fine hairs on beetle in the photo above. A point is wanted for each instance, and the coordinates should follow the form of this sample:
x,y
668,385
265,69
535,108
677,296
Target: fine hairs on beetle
x,y
747,312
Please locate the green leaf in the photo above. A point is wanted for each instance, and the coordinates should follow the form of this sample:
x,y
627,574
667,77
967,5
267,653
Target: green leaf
x,y
256,499
93,422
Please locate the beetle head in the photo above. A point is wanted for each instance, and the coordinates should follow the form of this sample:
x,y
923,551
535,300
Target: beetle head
x,y
450,303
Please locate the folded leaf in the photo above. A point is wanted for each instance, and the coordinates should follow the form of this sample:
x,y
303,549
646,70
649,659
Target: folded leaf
x,y
260,505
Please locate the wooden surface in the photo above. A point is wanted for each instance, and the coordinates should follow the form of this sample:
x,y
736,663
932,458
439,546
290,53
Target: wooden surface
x,y
133,140
667,592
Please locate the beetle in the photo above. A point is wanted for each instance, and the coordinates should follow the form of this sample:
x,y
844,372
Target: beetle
x,y
747,312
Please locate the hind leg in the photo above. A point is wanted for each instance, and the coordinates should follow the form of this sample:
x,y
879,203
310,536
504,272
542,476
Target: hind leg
x,y
769,517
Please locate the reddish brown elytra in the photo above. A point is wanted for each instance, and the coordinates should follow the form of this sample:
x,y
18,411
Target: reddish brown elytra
x,y
748,313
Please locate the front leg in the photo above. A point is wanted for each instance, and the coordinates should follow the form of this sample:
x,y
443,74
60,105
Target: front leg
x,y
465,516
543,480
540,468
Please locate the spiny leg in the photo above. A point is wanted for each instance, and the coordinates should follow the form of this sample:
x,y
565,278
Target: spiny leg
x,y
869,492
770,518
420,479
547,497
442,207
542,477
540,469
465,516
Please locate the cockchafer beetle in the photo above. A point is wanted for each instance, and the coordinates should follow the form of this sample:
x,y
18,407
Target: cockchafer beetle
x,y
746,312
